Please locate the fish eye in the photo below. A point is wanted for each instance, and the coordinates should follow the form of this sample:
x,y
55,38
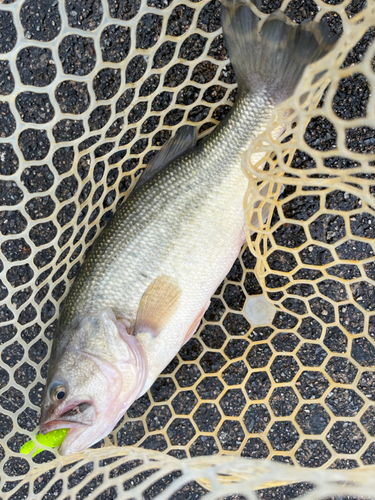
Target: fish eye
x,y
57,392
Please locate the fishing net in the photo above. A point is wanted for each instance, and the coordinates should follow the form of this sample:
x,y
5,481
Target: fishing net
x,y
282,367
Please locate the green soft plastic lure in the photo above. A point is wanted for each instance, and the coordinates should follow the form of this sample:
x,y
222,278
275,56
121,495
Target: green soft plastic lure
x,y
51,439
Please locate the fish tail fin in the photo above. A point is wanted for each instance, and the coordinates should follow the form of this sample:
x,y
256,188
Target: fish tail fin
x,y
273,57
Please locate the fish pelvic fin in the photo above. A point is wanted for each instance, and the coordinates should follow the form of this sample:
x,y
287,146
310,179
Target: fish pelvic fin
x,y
271,58
181,143
158,305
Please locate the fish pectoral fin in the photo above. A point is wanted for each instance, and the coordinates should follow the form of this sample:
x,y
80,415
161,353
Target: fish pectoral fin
x,y
183,141
158,305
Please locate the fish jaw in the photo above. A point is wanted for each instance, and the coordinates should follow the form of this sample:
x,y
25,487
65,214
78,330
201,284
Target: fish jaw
x,y
95,426
81,436
57,416
69,417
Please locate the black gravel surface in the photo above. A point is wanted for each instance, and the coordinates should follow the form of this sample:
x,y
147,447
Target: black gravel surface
x,y
37,68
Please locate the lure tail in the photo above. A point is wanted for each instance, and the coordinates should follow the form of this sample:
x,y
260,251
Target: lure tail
x,y
271,58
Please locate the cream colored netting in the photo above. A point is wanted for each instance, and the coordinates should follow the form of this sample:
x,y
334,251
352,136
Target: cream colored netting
x,y
90,90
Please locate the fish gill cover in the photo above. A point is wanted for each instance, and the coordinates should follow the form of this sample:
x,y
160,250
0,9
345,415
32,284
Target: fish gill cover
x,y
90,91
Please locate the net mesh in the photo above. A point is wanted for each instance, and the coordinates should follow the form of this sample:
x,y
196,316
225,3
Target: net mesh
x,y
90,91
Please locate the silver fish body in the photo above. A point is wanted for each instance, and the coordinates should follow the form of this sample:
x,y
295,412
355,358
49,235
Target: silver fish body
x,y
186,222
149,276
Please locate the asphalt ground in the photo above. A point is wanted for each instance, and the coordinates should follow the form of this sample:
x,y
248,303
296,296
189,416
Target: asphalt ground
x,y
35,68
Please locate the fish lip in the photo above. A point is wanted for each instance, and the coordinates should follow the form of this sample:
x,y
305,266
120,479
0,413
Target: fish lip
x,y
57,421
58,424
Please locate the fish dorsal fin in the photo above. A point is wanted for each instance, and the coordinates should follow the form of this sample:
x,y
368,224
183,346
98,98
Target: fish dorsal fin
x,y
158,305
183,141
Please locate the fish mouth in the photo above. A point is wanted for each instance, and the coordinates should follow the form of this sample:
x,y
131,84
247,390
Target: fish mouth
x,y
73,416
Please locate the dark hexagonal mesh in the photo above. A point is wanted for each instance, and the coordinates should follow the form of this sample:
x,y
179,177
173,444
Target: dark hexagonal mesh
x,y
90,91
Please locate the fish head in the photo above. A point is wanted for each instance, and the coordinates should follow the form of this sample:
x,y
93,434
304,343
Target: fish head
x,y
92,384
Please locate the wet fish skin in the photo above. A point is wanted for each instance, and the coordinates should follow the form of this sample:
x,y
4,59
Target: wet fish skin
x,y
186,222
185,226
148,235
197,200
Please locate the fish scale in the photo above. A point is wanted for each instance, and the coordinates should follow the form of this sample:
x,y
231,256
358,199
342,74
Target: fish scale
x,y
189,191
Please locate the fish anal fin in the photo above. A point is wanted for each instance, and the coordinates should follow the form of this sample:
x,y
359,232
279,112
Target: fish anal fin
x,y
158,305
183,141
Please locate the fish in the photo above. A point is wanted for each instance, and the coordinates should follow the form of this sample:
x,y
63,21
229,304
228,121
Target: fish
x,y
148,278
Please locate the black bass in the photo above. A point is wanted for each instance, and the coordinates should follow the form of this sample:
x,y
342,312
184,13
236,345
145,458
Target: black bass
x,y
149,277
